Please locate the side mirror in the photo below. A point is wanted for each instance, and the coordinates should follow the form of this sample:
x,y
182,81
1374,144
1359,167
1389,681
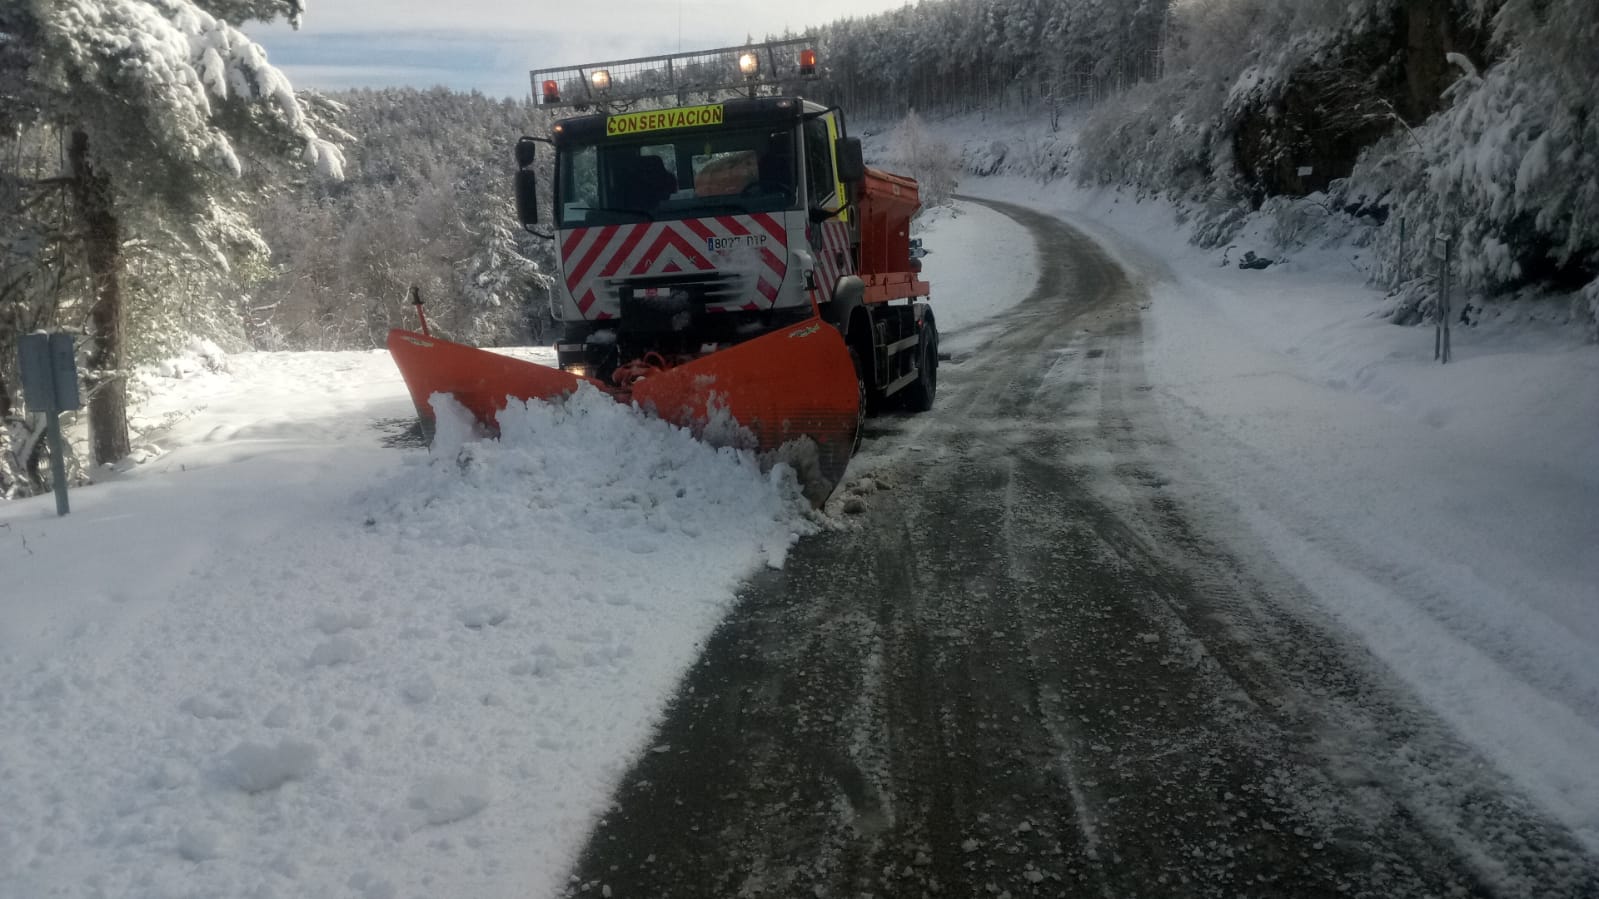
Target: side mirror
x,y
527,198
851,164
526,152
527,184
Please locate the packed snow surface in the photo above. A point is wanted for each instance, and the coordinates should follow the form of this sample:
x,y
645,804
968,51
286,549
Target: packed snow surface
x,y
282,660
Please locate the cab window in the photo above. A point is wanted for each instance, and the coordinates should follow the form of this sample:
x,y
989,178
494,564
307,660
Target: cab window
x,y
676,175
821,184
580,183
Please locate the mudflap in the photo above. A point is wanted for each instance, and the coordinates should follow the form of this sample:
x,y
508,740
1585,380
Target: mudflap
x,y
789,395
480,380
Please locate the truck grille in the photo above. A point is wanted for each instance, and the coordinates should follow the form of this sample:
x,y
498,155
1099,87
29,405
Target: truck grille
x,y
679,292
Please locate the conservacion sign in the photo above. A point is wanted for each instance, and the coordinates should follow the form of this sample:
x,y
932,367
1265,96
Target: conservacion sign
x,y
662,119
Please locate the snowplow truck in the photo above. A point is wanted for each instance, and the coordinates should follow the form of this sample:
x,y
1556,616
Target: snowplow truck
x,y
732,267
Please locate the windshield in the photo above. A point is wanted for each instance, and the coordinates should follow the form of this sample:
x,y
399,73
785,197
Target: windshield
x,y
676,176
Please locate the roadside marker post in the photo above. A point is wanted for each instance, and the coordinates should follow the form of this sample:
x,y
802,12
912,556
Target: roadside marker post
x,y
50,385
1442,251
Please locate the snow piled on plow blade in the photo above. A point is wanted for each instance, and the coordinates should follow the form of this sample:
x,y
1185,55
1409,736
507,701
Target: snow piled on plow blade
x,y
789,394
603,476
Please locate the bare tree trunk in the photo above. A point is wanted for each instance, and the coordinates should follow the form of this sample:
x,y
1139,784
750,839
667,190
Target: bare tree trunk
x,y
108,393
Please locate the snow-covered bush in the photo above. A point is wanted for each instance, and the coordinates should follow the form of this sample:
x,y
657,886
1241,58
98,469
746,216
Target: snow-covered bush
x,y
989,159
1509,169
1151,140
1298,222
911,151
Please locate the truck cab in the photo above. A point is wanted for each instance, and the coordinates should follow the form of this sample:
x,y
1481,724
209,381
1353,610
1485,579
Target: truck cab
x,y
686,229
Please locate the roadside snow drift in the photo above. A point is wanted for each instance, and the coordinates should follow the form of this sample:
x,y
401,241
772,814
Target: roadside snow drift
x,y
330,669
980,264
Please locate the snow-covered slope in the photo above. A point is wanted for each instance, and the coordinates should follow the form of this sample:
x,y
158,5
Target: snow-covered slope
x,y
284,660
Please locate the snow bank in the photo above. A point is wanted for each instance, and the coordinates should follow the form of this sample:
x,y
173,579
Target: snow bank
x,y
198,355
979,262
282,660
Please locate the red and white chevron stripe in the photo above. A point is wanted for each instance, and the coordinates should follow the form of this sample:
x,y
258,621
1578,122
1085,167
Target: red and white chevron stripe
x,y
592,256
833,259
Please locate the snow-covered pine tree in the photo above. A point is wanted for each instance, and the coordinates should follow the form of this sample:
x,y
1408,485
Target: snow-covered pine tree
x,y
426,202
155,101
945,56
497,277
1509,168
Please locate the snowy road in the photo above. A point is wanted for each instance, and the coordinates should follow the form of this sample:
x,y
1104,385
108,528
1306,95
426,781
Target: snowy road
x,y
1035,671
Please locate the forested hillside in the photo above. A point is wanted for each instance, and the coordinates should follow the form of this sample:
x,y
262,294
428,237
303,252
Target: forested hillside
x,y
945,56
1466,119
425,200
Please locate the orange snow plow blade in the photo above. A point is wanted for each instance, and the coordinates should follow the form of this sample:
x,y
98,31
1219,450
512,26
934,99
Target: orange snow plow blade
x,y
480,380
789,395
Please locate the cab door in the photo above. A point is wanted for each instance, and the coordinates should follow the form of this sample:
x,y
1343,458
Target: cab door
x,y
824,193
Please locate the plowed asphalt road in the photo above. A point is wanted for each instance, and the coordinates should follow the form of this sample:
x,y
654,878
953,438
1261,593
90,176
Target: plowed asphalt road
x,y
1034,671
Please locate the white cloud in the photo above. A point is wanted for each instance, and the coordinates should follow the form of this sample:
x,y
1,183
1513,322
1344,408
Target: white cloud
x,y
490,46
703,22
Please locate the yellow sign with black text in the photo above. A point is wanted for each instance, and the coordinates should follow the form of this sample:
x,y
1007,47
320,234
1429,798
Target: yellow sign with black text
x,y
662,119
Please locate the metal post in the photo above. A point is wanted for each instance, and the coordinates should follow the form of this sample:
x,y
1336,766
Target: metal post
x,y
416,300
1446,312
1443,252
1403,259
58,462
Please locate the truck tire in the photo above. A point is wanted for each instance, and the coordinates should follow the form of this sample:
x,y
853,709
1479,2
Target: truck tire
x,y
920,392
860,385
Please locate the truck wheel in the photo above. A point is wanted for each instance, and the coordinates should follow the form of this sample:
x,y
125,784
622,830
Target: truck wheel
x,y
860,386
919,393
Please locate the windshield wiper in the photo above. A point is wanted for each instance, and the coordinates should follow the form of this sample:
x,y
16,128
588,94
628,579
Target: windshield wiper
x,y
648,216
725,208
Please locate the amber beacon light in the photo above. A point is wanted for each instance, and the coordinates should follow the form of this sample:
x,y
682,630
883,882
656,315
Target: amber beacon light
x,y
807,62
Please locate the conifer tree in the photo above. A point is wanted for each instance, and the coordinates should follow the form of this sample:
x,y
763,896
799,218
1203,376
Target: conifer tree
x,y
156,101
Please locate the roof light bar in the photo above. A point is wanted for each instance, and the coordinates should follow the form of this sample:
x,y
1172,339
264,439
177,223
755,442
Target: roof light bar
x,y
771,66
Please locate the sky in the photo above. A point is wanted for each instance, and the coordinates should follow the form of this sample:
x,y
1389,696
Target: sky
x,y
491,46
